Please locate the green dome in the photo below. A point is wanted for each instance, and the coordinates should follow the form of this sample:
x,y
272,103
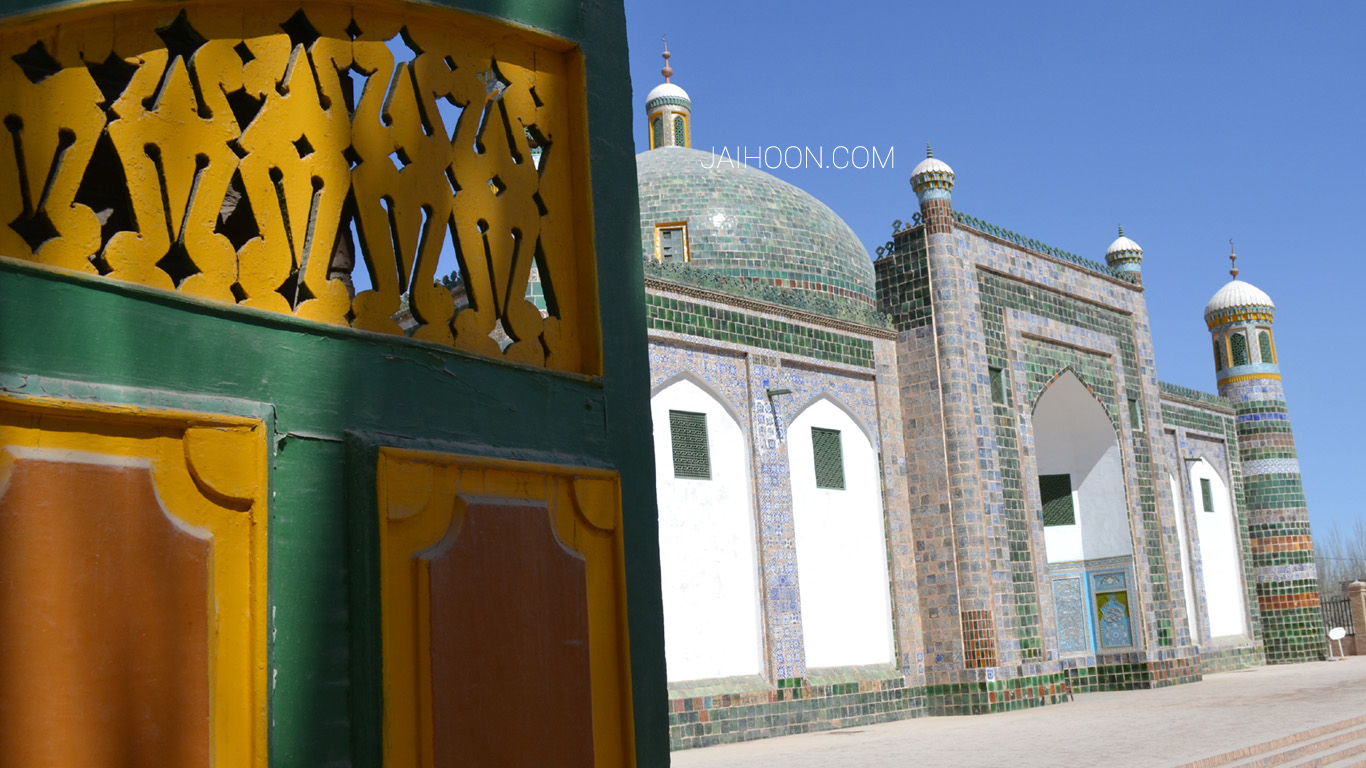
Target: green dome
x,y
745,223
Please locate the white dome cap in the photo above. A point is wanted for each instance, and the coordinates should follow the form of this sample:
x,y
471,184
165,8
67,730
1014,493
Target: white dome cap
x,y
666,91
1235,295
1123,244
932,179
1238,293
931,165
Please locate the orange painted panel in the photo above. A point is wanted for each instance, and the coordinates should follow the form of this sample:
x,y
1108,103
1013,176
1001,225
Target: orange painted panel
x,y
509,643
103,621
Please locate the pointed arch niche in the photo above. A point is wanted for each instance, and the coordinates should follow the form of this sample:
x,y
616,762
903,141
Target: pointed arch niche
x,y
1073,436
713,624
840,538
1221,568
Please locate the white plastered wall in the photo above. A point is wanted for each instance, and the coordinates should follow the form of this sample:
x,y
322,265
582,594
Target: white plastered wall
x,y
1220,564
1072,435
1184,552
707,550
841,547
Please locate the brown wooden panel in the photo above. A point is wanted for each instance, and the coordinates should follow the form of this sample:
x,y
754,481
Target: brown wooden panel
x,y
509,640
103,622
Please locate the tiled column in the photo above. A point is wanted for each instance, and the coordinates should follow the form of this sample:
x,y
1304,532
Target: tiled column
x,y
1278,516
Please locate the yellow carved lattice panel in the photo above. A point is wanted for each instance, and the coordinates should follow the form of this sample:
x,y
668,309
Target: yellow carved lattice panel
x,y
253,154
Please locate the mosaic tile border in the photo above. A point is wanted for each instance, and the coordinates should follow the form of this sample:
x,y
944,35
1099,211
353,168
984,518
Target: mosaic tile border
x,y
795,705
736,326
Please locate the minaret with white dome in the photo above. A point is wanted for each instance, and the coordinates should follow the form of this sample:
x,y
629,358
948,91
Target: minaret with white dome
x,y
1124,255
932,181
669,111
1239,317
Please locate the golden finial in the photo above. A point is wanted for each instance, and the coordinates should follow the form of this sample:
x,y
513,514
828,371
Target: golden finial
x,y
1233,259
667,71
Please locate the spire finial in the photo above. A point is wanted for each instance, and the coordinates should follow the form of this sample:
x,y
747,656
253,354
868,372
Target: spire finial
x,y
1121,230
1233,259
929,151
667,71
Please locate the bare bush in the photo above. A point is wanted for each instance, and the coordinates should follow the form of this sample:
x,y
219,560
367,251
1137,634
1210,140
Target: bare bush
x,y
1341,558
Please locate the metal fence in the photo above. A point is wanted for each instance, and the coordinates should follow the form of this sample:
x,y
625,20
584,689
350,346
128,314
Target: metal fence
x,y
1338,613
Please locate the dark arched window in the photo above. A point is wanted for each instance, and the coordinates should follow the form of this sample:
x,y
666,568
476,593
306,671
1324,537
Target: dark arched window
x,y
680,133
657,133
1264,341
1237,346
1218,354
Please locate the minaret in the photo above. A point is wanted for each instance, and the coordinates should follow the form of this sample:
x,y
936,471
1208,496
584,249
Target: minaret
x,y
669,111
1245,363
932,181
1124,255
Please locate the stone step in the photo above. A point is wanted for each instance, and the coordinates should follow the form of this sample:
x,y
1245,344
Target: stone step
x,y
1350,755
1302,746
1304,754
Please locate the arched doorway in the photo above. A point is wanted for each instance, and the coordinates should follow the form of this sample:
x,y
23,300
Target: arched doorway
x,y
1221,569
707,546
840,538
1088,538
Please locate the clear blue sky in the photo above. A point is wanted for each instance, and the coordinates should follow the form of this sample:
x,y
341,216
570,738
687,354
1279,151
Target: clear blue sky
x,y
1190,123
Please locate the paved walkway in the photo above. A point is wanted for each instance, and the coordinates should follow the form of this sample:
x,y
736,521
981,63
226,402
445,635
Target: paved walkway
x,y
1142,729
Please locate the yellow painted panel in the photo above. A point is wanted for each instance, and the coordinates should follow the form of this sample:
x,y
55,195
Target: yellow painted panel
x,y
584,508
209,474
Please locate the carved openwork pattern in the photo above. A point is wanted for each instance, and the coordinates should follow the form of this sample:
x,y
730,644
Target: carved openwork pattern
x,y
1114,623
245,154
1070,608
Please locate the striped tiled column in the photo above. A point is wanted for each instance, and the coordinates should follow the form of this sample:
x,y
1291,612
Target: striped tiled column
x,y
1239,317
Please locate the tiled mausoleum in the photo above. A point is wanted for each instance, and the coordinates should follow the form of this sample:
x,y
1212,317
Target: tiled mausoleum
x,y
948,480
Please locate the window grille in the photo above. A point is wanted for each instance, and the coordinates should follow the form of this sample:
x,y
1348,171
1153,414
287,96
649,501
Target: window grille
x,y
692,457
680,133
1206,494
1056,493
829,453
1237,344
657,133
1135,415
1218,355
1264,341
998,385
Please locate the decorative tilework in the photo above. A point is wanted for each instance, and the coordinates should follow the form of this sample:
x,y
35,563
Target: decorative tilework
x,y
979,639
706,713
1114,619
1109,581
740,376
1287,581
714,322
745,223
1070,609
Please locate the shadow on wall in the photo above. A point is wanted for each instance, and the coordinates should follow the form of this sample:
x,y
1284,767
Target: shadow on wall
x,y
1074,437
